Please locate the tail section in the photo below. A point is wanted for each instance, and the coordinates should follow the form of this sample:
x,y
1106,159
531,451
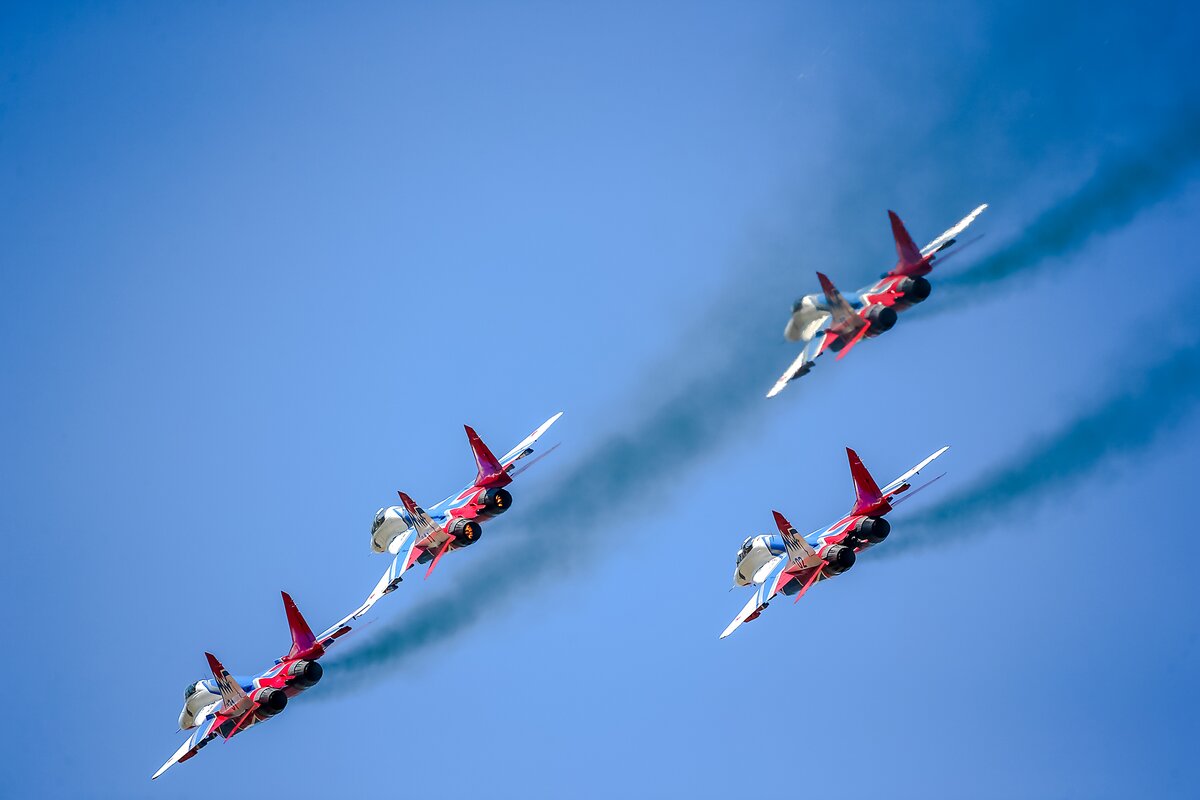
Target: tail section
x,y
906,249
799,551
833,298
234,700
302,635
867,497
491,471
838,307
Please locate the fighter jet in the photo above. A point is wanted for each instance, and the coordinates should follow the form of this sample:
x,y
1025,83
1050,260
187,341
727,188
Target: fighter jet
x,y
416,536
791,564
227,705
828,321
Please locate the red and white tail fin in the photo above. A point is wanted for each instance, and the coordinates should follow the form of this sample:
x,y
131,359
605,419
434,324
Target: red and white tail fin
x,y
907,252
419,518
799,551
867,497
490,470
302,635
234,699
841,310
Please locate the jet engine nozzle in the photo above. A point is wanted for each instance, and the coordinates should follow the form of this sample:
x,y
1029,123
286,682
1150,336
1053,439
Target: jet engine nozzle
x,y
915,290
270,701
465,531
305,674
838,559
872,530
882,318
495,501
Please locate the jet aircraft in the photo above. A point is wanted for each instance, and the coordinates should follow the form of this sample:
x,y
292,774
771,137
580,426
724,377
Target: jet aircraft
x,y
417,536
791,564
227,705
828,321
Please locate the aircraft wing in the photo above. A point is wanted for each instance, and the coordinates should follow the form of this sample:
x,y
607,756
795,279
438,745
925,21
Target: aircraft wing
x,y
806,360
747,610
945,240
901,484
763,593
525,447
203,734
384,586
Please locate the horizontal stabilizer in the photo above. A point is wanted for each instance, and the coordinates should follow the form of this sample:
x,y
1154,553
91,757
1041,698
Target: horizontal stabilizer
x,y
808,584
909,495
514,471
858,337
441,552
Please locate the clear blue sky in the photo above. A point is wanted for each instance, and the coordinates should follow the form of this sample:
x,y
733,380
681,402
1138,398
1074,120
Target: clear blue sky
x,y
260,265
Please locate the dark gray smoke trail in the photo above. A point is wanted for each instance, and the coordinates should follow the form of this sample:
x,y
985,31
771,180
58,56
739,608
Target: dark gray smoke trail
x,y
1141,409
700,413
1121,187
610,481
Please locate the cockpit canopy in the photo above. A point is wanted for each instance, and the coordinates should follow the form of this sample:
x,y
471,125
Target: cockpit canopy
x,y
378,520
745,549
189,691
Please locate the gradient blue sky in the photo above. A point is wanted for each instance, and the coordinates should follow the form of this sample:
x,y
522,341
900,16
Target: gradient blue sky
x,y
261,264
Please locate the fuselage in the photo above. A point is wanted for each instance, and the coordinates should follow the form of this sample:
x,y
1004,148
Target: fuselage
x,y
760,555
392,527
291,676
895,292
